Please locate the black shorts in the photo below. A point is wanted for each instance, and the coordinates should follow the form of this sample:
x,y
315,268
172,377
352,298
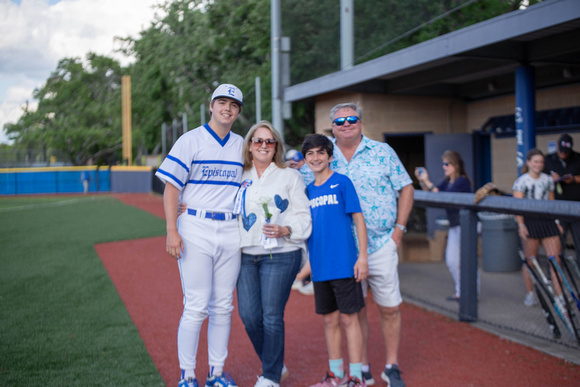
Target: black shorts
x,y
540,228
344,295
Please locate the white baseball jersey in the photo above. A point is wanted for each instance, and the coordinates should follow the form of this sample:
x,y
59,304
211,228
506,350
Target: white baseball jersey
x,y
206,169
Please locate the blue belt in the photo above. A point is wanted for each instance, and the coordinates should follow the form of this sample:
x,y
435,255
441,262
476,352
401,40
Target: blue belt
x,y
213,215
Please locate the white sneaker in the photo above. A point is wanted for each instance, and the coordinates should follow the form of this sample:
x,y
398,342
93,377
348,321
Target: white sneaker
x,y
307,289
297,284
530,299
263,382
285,373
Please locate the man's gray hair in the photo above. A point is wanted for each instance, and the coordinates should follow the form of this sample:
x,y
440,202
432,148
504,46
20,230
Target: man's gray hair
x,y
349,105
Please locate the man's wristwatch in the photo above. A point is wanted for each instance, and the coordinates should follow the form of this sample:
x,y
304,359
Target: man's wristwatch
x,y
401,227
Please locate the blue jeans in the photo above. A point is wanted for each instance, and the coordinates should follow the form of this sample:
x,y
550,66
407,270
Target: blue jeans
x,y
263,287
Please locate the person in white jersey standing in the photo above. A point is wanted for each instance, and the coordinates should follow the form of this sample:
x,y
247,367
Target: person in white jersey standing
x,y
204,170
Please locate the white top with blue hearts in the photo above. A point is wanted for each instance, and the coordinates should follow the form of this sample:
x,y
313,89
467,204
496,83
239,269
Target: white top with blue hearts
x,y
285,192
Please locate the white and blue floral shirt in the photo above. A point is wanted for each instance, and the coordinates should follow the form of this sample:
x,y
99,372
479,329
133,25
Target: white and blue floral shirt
x,y
377,174
307,174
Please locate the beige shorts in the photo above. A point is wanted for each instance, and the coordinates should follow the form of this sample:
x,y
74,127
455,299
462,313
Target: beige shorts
x,y
383,276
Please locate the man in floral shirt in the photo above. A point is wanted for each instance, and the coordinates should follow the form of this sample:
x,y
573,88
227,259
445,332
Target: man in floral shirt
x,y
379,178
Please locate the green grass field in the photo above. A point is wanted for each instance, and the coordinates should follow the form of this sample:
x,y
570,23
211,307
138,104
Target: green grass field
x,y
62,321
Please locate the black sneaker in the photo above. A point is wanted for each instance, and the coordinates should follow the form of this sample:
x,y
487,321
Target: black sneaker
x,y
393,376
368,377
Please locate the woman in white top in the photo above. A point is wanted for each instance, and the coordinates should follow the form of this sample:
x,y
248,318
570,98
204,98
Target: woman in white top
x,y
534,184
274,224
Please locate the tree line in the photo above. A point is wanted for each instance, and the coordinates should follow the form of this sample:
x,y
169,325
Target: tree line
x,y
191,46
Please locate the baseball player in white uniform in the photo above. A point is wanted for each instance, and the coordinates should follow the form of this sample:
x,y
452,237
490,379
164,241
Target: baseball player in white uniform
x,y
204,169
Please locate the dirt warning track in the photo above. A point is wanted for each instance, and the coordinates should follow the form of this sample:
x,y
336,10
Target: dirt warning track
x,y
435,350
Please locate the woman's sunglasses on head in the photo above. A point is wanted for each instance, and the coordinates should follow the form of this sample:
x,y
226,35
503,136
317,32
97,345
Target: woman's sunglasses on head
x,y
351,120
270,142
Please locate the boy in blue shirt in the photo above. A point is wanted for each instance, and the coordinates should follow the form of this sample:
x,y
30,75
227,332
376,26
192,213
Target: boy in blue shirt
x,y
337,269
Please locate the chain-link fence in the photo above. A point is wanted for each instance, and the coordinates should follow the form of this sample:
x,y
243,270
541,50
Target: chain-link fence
x,y
170,133
535,302
27,158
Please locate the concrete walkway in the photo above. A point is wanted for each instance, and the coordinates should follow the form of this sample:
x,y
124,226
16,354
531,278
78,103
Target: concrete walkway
x,y
500,311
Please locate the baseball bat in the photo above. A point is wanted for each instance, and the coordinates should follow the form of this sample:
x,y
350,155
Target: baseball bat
x,y
561,272
572,316
545,308
570,259
556,302
547,314
569,272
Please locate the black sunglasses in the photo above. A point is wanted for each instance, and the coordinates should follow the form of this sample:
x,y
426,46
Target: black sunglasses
x,y
270,142
351,120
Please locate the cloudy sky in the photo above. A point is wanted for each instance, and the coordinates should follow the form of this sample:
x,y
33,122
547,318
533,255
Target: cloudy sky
x,y
36,34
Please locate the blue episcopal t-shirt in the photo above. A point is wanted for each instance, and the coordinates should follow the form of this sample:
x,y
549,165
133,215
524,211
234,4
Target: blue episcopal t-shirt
x,y
331,245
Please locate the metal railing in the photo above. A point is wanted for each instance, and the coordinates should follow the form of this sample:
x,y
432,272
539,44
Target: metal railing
x,y
494,299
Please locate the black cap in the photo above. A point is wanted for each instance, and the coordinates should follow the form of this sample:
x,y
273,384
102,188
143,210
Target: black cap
x,y
565,143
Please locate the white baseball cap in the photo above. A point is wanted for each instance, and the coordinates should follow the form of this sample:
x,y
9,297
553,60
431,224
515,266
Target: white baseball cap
x,y
229,91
